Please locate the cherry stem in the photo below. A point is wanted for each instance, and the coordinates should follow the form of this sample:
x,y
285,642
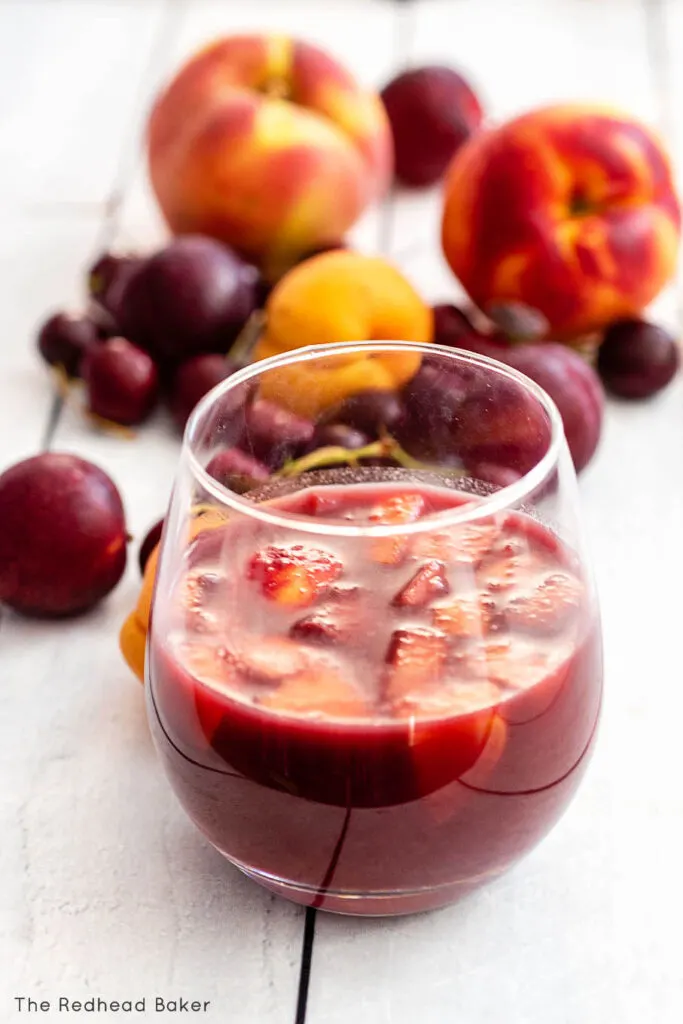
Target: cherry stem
x,y
245,342
335,455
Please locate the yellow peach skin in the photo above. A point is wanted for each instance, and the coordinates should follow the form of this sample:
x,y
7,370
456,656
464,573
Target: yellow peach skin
x,y
269,144
337,297
570,210
133,634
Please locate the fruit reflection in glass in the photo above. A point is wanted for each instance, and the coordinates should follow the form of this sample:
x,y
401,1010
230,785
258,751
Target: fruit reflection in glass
x,y
374,671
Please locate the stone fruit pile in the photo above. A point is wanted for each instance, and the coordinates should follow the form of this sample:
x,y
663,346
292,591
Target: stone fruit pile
x,y
561,226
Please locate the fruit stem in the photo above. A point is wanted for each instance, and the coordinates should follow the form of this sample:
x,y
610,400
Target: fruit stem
x,y
62,382
334,455
109,426
245,342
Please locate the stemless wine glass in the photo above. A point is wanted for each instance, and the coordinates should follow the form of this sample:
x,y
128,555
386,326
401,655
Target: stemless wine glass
x,y
374,668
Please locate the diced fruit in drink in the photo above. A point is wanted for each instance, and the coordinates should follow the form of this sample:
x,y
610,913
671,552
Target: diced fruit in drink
x,y
318,629
416,657
465,617
467,544
402,508
317,691
294,576
428,582
338,621
512,665
271,659
461,698
548,607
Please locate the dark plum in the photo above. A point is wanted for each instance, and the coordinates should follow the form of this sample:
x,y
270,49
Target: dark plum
x,y
432,401
152,538
237,470
62,535
121,381
192,296
338,435
575,388
501,424
637,359
451,324
432,111
273,435
192,380
371,412
491,473
64,339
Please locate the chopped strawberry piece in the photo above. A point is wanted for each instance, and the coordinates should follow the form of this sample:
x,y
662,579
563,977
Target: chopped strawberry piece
x,y
319,504
402,508
501,573
439,545
462,698
427,583
512,666
319,629
473,542
317,691
548,607
270,659
466,617
208,663
416,658
294,576
344,591
468,544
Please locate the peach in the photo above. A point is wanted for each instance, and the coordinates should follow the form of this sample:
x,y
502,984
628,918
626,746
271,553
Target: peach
x,y
341,296
567,210
269,144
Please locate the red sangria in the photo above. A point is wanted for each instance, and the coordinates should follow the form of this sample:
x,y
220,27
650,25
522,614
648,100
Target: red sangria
x,y
373,688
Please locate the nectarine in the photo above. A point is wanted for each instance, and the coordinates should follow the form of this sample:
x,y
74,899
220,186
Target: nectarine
x,y
269,144
569,210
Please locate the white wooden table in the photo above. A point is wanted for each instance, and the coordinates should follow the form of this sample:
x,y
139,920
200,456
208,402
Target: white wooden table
x,y
106,888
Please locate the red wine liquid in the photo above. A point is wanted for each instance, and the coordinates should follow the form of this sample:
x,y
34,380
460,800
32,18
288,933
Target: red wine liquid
x,y
375,724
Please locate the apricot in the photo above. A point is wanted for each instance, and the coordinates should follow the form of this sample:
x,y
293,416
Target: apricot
x,y
341,296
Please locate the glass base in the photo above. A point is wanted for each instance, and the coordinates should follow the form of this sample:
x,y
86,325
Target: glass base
x,y
383,903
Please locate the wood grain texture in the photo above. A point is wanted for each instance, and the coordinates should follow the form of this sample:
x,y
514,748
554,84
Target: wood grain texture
x,y
105,888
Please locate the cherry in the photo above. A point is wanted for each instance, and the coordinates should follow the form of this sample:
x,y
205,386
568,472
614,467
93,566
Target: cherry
x,y
121,381
369,412
637,359
64,339
237,470
192,380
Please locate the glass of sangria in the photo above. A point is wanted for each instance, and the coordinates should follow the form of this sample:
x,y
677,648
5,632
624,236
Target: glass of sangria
x,y
374,670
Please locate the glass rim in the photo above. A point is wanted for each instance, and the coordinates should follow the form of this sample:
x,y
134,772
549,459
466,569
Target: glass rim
x,y
504,498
